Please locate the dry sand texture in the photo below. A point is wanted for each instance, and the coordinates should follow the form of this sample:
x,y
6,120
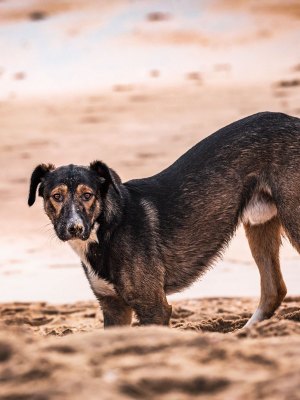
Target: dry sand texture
x,y
193,360
136,86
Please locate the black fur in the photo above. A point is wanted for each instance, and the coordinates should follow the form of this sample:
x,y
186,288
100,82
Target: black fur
x,y
108,175
36,178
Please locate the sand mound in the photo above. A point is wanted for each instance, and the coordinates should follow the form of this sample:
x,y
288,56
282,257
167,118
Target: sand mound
x,y
194,359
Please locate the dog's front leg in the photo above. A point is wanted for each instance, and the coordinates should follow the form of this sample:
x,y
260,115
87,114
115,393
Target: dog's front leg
x,y
150,306
115,312
154,313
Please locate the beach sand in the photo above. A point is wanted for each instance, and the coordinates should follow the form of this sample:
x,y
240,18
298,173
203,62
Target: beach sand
x,y
61,352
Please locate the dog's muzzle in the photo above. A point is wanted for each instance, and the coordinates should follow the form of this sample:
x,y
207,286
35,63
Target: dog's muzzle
x,y
76,230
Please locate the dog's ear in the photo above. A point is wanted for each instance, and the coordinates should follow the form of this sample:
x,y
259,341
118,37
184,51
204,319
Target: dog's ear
x,y
108,175
37,177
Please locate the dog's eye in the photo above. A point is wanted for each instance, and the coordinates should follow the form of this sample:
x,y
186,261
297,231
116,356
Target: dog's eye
x,y
87,196
58,197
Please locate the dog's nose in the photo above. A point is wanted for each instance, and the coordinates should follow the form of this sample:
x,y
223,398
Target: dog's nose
x,y
75,229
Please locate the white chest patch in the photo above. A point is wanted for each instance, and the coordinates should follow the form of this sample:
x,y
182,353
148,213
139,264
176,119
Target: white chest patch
x,y
100,286
258,212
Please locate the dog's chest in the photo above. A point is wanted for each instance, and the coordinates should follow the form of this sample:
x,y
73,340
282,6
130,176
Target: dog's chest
x,y
100,286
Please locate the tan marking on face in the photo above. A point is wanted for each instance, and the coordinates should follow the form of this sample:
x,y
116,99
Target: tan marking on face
x,y
91,206
83,189
61,189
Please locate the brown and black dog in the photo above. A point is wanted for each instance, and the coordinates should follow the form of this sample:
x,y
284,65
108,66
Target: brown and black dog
x,y
141,240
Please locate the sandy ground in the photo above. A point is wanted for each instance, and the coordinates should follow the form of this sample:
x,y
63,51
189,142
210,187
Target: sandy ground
x,y
194,359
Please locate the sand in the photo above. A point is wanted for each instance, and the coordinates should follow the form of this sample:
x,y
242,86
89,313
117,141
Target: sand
x,y
62,352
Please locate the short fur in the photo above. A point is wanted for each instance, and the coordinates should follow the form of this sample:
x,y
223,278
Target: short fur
x,y
146,238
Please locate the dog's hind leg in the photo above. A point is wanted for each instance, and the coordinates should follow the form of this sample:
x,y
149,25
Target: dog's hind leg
x,y
264,241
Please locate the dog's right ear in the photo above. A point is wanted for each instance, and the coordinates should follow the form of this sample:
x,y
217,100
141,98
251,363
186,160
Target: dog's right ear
x,y
37,177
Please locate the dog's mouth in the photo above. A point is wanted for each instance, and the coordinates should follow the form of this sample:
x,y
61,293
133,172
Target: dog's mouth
x,y
68,236
73,238
70,232
79,237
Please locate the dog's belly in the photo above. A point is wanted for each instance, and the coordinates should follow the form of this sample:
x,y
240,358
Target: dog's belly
x,y
259,211
100,286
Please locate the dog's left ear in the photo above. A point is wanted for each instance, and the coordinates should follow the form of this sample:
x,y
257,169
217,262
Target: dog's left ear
x,y
37,177
108,175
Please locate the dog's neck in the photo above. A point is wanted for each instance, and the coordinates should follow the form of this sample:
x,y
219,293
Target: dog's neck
x,y
113,210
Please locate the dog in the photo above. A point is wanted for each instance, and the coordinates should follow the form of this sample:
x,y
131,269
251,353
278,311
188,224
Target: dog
x,y
144,239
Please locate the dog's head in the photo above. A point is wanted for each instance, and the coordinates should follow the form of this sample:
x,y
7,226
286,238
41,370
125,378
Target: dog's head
x,y
73,195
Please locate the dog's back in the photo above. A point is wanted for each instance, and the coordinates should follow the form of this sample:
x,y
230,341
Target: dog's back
x,y
230,176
